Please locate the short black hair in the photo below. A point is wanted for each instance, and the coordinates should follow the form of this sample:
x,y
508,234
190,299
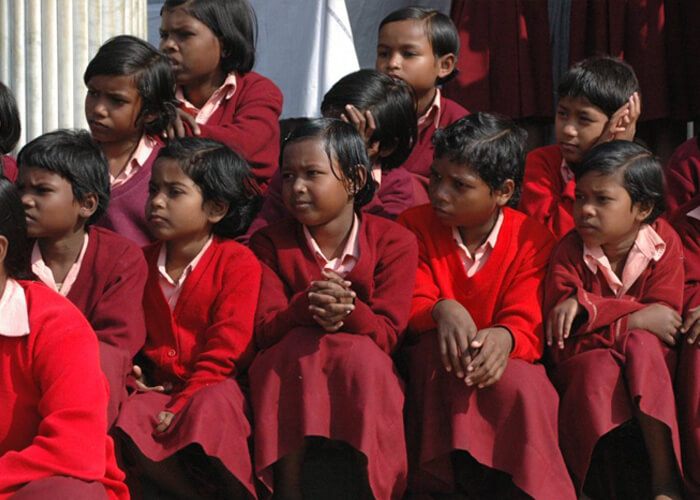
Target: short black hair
x,y
13,226
75,156
604,81
491,145
233,22
343,143
441,31
10,125
126,55
223,176
642,174
393,106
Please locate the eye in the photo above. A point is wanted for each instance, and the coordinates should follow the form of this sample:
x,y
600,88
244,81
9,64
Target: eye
x,y
408,54
434,176
174,192
603,199
92,92
585,119
382,53
561,113
163,34
152,189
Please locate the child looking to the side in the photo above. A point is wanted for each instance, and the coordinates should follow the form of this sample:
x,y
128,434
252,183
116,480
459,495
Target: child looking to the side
x,y
53,437
420,46
130,100
186,425
338,285
613,298
480,415
10,130
211,47
598,102
64,186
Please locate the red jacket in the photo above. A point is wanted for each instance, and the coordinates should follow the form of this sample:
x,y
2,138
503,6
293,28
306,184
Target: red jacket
x,y
208,337
683,177
506,292
9,167
688,229
53,417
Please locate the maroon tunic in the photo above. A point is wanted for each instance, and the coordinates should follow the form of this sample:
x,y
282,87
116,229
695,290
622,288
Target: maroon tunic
x,y
682,178
341,386
9,167
604,366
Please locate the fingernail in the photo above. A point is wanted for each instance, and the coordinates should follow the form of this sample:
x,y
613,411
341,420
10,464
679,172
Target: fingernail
x,y
460,374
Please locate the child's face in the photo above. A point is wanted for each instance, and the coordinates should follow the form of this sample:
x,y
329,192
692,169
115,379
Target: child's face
x,y
112,106
461,198
175,209
577,127
50,208
311,190
405,52
193,49
603,210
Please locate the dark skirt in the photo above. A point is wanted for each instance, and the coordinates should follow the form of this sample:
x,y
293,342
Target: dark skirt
x,y
62,488
688,398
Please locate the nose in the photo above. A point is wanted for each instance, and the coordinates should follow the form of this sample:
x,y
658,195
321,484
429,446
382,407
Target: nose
x,y
569,129
394,61
27,201
299,186
98,108
156,200
439,192
587,209
167,44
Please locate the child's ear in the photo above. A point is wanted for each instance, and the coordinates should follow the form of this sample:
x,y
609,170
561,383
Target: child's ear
x,y
88,205
644,209
4,245
388,149
361,172
446,65
505,192
215,210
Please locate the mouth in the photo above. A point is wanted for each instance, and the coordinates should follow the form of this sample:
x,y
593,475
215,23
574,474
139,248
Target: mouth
x,y
568,148
586,227
301,204
94,124
175,64
441,212
157,220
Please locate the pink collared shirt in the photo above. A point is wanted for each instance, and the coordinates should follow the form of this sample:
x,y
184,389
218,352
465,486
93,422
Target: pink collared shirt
x,y
14,317
44,273
225,92
694,213
432,115
472,264
347,260
138,159
567,175
647,247
171,288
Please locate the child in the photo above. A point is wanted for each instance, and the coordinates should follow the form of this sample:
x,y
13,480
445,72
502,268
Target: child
x,y
477,406
10,130
65,189
383,110
53,442
598,101
613,294
130,100
200,296
683,177
211,47
337,290
420,46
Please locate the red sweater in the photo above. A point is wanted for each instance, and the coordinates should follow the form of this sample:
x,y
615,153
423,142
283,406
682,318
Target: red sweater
x,y
54,400
606,315
544,196
382,278
9,167
249,124
208,337
688,229
683,177
507,290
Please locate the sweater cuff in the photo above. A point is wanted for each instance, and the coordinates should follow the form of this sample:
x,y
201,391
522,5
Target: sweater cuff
x,y
360,321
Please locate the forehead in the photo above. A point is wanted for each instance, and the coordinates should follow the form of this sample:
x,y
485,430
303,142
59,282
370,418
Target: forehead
x,y
168,170
179,17
406,32
599,181
113,83
580,103
457,170
305,151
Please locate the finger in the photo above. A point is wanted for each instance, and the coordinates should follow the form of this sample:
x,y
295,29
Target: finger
x,y
454,356
165,418
690,319
559,332
493,378
319,299
136,371
371,125
693,333
344,117
442,346
479,339
191,121
179,128
568,321
333,276
463,345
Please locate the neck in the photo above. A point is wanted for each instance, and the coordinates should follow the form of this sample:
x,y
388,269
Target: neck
x,y
617,251
198,92
475,236
3,280
63,251
179,253
425,101
332,236
119,153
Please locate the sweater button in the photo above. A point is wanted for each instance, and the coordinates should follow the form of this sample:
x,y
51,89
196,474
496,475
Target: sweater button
x,y
172,353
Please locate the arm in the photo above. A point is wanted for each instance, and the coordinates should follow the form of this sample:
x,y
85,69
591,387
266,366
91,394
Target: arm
x,y
541,189
395,194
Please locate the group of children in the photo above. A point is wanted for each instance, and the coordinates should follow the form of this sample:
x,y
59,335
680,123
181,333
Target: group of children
x,y
279,313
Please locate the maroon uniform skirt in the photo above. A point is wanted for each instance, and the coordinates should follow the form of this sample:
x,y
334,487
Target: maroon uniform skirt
x,y
510,426
115,364
214,418
337,386
688,398
600,388
62,488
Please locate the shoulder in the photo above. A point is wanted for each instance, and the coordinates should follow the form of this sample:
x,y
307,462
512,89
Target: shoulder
x,y
50,309
669,235
451,111
112,248
527,225
255,83
385,230
418,217
549,156
570,247
232,256
280,231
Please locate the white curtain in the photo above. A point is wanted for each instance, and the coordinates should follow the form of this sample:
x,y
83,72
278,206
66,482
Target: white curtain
x,y
45,46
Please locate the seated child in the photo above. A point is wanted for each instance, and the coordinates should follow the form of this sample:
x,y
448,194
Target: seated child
x,y
65,188
481,416
613,295
129,102
337,287
420,46
53,416
683,177
211,47
598,101
186,427
383,110
10,130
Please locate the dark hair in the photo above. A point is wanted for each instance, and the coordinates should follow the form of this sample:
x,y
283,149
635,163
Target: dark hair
x,y
343,143
439,28
604,81
393,106
126,55
13,226
76,157
233,22
10,126
491,145
642,174
222,176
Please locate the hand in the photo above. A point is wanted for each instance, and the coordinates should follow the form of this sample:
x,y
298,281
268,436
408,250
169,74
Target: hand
x,y
691,326
362,121
165,418
331,301
494,346
660,320
560,320
140,380
623,123
177,128
455,330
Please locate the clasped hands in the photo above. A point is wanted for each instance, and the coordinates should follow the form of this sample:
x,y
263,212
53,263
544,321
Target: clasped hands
x,y
331,301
